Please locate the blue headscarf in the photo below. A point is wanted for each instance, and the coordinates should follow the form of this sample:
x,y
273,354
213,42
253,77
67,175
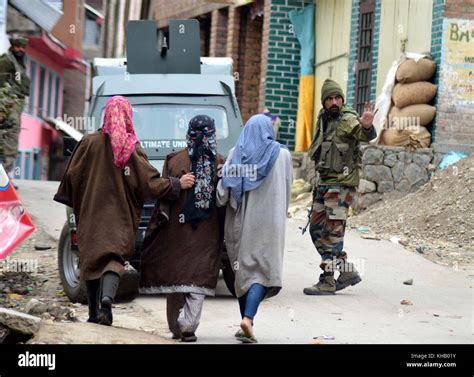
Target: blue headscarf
x,y
256,151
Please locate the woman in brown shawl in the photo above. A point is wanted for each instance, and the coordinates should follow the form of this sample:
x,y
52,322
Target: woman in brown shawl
x,y
181,255
106,182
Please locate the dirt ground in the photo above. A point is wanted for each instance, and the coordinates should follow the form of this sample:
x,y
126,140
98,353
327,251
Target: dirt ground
x,y
436,221
63,321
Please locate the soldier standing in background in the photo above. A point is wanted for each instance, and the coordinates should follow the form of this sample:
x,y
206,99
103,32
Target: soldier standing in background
x,y
12,77
335,150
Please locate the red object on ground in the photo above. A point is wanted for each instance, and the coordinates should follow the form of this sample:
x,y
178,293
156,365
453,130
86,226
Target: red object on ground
x,y
15,223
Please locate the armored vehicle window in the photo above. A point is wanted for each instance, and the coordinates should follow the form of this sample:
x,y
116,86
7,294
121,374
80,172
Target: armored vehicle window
x,y
166,123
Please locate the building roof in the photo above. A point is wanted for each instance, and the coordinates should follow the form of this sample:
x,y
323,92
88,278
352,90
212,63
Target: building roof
x,y
40,12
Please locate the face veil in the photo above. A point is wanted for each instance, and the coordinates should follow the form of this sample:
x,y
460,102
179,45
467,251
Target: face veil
x,y
202,150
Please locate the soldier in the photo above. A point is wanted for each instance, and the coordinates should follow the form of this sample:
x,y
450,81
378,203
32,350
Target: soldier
x,y
12,74
335,150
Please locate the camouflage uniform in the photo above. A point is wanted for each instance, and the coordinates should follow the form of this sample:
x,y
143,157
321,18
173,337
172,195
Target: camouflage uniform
x,y
15,86
328,219
10,112
335,150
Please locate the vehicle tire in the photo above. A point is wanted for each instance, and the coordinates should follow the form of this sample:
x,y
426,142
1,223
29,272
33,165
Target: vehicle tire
x,y
229,275
68,264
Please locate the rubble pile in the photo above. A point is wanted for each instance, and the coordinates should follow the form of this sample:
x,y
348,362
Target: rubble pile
x,y
436,220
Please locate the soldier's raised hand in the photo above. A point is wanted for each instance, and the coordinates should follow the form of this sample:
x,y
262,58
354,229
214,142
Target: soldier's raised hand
x,y
367,117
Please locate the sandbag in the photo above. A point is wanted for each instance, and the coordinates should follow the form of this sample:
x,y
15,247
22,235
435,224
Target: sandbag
x,y
413,93
413,115
414,139
411,71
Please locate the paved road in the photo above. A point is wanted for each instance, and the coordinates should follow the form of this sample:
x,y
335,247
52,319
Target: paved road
x,y
442,310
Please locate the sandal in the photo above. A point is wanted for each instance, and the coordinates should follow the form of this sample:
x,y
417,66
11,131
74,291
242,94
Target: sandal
x,y
239,334
247,339
188,337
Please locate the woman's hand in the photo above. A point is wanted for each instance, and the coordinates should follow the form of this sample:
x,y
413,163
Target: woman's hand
x,y
187,181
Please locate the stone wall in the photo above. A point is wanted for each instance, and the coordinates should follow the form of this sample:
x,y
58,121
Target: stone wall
x,y
384,169
387,169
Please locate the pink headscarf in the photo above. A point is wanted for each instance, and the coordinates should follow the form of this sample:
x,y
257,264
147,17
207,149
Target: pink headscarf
x,y
118,125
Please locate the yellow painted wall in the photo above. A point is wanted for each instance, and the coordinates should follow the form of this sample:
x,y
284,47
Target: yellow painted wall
x,y
333,23
402,19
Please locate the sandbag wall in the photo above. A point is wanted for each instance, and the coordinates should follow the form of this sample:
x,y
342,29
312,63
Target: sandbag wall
x,y
411,114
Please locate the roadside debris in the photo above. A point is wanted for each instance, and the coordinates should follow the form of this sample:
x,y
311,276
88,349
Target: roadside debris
x,y
406,302
42,246
54,311
370,237
421,249
325,337
23,325
395,240
408,282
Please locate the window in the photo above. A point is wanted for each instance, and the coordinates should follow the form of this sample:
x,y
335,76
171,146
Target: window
x,y
31,102
57,110
42,80
364,58
91,32
166,122
50,94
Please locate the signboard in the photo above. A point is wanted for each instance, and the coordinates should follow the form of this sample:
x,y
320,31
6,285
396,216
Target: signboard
x,y
457,73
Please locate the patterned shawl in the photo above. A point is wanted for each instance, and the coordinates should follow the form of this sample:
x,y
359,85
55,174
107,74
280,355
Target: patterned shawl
x,y
119,127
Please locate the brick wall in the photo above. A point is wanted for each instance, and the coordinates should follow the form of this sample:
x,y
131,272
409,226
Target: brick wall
x,y
265,52
436,46
218,43
249,63
459,9
282,71
74,93
182,10
233,30
455,104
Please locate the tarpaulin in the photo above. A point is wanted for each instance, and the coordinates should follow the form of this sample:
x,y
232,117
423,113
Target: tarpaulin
x,y
15,224
303,24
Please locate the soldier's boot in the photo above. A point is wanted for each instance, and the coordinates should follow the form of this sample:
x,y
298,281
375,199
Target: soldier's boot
x,y
348,274
324,287
326,284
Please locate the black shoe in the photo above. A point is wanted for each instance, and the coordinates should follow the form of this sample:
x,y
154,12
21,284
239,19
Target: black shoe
x,y
93,300
93,320
188,337
105,312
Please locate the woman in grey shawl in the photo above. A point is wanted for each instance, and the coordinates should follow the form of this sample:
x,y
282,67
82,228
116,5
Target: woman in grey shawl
x,y
256,188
